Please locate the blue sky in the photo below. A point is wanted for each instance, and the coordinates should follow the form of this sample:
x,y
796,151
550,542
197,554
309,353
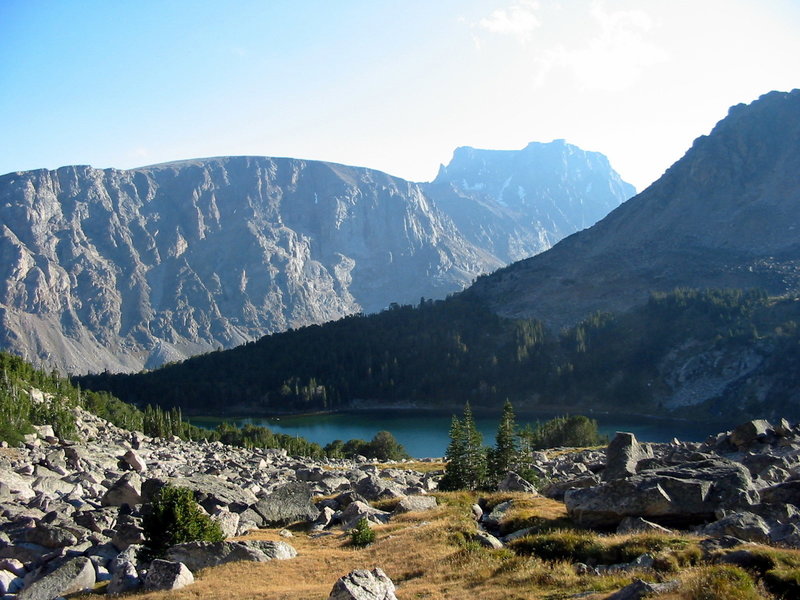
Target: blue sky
x,y
392,85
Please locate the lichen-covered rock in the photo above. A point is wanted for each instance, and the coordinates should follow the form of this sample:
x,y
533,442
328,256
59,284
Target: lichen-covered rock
x,y
167,575
77,575
364,585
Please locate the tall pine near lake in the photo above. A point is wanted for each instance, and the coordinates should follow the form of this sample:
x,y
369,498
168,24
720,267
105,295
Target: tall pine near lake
x,y
466,456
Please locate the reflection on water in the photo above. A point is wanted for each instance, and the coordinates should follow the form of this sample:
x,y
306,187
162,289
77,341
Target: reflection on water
x,y
425,433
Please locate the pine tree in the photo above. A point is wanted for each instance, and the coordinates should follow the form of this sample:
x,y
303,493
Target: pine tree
x,y
505,453
454,477
474,452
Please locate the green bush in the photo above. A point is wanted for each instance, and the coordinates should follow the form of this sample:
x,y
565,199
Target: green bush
x,y
174,517
722,582
575,546
362,534
575,431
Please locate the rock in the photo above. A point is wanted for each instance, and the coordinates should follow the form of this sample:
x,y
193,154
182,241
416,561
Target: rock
x,y
200,555
623,455
323,520
641,589
496,515
477,512
167,575
364,585
746,434
126,490
557,489
787,492
49,536
357,510
415,504
273,550
124,579
373,488
134,461
487,540
210,492
288,503
228,522
742,525
683,495
10,583
77,575
639,525
514,483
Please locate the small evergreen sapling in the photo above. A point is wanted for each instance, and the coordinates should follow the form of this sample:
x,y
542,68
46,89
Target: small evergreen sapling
x,y
175,518
362,534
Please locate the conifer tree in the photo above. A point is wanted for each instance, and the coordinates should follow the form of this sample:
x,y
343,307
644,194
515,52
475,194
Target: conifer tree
x,y
505,454
474,452
454,477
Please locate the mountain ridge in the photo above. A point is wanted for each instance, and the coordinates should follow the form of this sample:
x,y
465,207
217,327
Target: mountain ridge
x,y
125,269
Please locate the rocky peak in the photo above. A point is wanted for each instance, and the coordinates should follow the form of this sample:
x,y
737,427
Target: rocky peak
x,y
725,215
520,202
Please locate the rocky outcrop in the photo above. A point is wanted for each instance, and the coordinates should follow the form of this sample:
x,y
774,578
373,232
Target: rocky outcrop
x,y
518,203
124,270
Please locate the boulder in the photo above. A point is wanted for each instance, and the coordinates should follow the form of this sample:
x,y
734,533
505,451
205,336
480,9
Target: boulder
x,y
623,455
493,518
210,492
10,583
683,495
134,461
364,585
357,510
167,575
415,504
746,434
274,550
742,525
512,482
787,492
487,540
124,579
323,520
126,490
641,589
199,555
49,536
286,504
77,575
630,525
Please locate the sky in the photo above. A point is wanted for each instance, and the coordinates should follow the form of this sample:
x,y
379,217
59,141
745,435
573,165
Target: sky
x,y
387,84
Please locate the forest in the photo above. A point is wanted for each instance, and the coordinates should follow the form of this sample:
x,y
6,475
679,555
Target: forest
x,y
444,353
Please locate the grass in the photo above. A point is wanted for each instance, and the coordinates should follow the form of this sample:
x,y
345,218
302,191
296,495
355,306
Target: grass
x,y
431,555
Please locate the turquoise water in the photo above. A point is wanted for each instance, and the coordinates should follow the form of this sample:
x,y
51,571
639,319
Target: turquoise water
x,y
425,434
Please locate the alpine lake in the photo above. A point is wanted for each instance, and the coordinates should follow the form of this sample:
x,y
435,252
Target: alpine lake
x,y
425,433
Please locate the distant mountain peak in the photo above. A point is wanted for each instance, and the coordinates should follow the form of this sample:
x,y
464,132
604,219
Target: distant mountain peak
x,y
727,214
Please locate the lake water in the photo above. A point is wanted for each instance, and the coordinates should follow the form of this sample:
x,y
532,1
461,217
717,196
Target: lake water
x,y
425,434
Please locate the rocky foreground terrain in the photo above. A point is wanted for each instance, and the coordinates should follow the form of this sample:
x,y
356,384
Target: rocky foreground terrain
x,y
71,510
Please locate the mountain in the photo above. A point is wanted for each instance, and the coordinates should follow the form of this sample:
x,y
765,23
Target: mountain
x,y
518,203
123,270
727,215
724,216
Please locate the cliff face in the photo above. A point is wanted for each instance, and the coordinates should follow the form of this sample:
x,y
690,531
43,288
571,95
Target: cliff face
x,y
123,269
120,270
518,203
726,215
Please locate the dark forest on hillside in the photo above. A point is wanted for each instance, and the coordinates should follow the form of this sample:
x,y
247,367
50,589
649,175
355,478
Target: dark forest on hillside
x,y
443,353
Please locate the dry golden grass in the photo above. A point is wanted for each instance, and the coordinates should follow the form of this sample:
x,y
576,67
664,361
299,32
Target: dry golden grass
x,y
427,555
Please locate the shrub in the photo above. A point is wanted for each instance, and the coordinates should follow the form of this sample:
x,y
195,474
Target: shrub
x,y
362,534
174,518
573,431
560,545
722,582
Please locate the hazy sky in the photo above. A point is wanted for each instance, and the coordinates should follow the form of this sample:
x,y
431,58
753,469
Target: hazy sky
x,y
392,85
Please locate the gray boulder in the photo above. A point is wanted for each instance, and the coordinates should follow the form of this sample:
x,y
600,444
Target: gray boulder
x,y
364,585
77,575
126,490
787,492
742,525
288,503
210,492
641,589
200,555
746,434
512,482
415,504
355,511
124,579
630,525
683,495
623,455
49,536
167,575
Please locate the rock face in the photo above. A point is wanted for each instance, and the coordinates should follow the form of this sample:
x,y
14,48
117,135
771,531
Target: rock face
x,y
120,270
724,216
517,203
